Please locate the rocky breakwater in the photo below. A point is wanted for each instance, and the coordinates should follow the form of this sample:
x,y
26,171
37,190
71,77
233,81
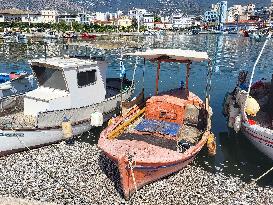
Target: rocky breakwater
x,y
78,174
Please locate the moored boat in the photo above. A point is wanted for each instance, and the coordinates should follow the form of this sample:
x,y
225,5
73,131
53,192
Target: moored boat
x,y
252,113
14,84
73,95
162,134
249,109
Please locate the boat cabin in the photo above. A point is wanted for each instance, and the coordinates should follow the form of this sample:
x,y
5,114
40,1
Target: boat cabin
x,y
65,83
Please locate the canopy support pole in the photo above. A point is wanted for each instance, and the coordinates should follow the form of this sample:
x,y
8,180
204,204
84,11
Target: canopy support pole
x,y
143,75
157,77
187,79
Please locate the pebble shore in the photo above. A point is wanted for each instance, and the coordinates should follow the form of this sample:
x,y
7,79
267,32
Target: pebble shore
x,y
78,174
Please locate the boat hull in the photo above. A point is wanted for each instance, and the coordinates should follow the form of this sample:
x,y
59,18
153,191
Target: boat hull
x,y
14,141
136,175
261,138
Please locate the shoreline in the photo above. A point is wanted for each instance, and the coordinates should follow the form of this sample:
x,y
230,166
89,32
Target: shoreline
x,y
80,175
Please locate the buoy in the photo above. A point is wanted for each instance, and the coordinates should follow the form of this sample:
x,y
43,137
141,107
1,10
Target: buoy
x,y
111,121
252,107
96,119
237,123
67,128
211,145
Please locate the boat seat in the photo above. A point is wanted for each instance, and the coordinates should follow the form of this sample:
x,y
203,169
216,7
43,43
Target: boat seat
x,y
162,127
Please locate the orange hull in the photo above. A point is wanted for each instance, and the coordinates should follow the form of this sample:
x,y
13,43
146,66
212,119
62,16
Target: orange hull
x,y
146,158
133,178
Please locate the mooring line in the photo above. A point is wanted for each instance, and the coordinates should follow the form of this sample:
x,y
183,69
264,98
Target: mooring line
x,y
245,185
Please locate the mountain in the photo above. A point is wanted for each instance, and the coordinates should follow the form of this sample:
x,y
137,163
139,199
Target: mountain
x,y
206,4
159,6
164,6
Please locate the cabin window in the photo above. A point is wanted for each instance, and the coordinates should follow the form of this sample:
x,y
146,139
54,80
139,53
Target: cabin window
x,y
48,77
87,78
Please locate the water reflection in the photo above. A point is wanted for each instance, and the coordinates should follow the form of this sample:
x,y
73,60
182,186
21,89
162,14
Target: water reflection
x,y
230,54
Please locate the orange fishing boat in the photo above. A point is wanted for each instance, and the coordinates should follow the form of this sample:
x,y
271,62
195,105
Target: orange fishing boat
x,y
165,132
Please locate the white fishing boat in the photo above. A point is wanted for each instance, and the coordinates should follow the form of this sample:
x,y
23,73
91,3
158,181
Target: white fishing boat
x,y
15,86
73,95
249,109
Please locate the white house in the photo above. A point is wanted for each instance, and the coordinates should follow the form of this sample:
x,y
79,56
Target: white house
x,y
135,13
180,21
49,16
84,18
31,18
16,15
68,18
148,20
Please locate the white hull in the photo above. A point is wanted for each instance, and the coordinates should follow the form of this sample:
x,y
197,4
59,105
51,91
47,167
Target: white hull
x,y
12,141
260,137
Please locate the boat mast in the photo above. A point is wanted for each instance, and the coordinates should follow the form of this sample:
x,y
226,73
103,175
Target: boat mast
x,y
187,78
157,77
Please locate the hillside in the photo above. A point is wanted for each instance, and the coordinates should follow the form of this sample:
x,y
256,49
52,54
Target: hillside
x,y
159,6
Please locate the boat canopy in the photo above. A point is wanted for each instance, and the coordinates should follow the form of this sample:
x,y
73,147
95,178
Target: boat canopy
x,y
172,55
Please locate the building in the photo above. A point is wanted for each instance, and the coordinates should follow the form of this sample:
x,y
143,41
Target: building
x,y
246,25
84,18
68,18
148,20
222,12
211,18
31,18
179,21
124,21
137,13
217,16
262,13
49,16
17,15
271,14
234,13
12,15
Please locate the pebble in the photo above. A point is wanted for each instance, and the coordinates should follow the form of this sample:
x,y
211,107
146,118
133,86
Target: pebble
x,y
79,174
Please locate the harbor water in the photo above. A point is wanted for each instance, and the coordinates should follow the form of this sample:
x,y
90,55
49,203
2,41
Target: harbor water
x,y
230,54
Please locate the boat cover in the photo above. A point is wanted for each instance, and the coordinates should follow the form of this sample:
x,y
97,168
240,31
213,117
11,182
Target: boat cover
x,y
162,127
172,54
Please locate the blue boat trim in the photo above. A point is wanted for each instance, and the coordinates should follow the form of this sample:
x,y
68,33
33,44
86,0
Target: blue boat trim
x,y
151,168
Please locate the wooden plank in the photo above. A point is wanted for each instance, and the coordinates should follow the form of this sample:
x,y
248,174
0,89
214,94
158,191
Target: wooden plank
x,y
117,131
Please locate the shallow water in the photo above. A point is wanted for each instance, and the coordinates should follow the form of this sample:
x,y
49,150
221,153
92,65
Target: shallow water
x,y
229,54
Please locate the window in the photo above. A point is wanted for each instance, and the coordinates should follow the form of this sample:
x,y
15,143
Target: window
x,y
49,77
86,78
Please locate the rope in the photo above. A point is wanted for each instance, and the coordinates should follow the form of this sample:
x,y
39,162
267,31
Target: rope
x,y
134,72
256,62
131,166
245,185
